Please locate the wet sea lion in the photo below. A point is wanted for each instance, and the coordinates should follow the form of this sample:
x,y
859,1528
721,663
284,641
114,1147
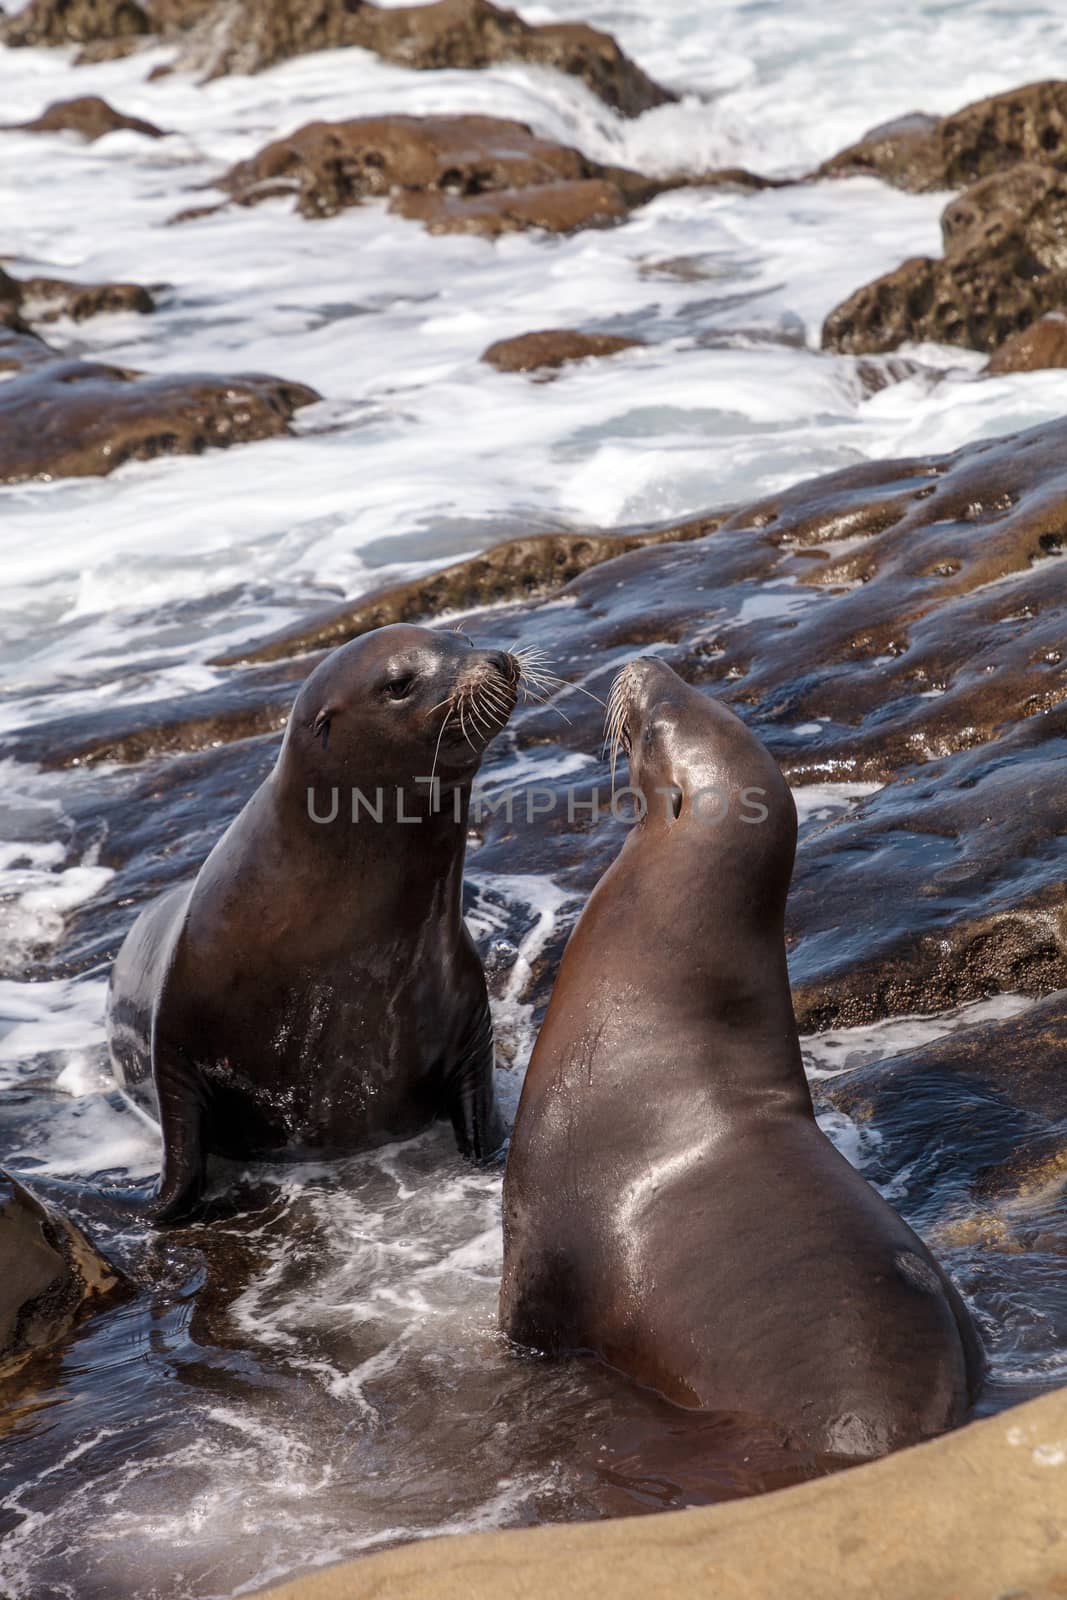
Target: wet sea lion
x,y
670,1203
315,989
49,1273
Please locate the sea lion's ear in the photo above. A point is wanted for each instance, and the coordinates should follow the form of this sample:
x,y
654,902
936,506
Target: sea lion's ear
x,y
320,728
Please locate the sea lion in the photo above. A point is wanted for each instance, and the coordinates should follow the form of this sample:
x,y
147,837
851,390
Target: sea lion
x,y
670,1203
315,990
49,1273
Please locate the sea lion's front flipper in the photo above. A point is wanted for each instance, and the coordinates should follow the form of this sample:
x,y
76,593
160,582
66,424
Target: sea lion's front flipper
x,y
470,1096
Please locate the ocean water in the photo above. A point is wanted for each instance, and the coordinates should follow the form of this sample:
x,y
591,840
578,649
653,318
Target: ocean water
x,y
315,1399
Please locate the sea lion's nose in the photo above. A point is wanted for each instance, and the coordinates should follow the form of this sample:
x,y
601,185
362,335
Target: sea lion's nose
x,y
505,664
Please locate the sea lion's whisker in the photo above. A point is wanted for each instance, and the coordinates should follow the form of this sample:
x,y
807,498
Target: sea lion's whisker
x,y
463,727
440,736
495,697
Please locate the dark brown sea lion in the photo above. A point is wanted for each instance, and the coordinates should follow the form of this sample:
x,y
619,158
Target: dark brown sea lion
x,y
670,1203
315,989
49,1274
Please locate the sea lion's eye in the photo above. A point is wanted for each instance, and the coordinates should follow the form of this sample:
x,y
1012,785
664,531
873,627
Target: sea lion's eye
x,y
399,688
320,728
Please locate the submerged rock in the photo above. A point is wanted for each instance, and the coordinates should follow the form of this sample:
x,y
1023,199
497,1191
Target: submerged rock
x,y
921,152
1005,265
248,35
553,348
88,115
50,1275
1042,344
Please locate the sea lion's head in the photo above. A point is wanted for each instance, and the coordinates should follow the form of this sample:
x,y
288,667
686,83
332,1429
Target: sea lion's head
x,y
402,703
692,759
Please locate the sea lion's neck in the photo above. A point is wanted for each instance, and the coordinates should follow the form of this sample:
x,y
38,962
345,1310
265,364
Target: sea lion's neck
x,y
661,954
404,843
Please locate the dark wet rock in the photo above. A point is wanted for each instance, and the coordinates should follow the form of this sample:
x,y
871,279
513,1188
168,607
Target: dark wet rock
x,y
253,34
59,22
1042,344
552,348
455,174
999,1087
51,1275
919,152
72,418
896,623
1005,265
88,115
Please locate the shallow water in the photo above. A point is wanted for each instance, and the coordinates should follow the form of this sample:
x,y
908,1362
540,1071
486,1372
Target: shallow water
x,y
321,1374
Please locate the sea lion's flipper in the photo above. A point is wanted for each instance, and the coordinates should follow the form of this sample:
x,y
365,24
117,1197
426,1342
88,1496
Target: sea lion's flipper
x,y
181,1117
470,1096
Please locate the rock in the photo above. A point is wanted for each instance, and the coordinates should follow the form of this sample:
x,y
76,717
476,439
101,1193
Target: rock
x,y
249,35
45,22
896,623
980,1513
88,115
1005,265
905,152
48,299
50,1275
457,174
1042,344
28,300
553,348
71,418
62,419
1000,1180
921,153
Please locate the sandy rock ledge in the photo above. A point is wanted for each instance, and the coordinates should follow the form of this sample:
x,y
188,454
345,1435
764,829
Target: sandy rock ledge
x,y
980,1515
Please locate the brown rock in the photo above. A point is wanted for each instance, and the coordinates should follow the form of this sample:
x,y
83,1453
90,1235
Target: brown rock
x,y
905,152
47,299
62,418
552,348
88,115
1042,344
82,418
50,1275
58,22
920,152
514,569
254,34
28,300
457,174
1005,264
